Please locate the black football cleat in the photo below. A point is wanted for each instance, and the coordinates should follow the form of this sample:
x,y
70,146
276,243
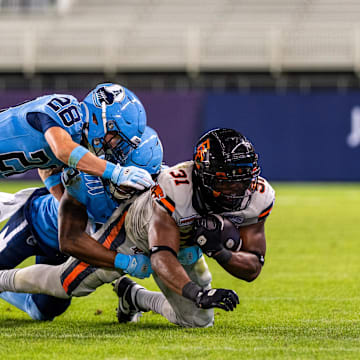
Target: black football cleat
x,y
126,290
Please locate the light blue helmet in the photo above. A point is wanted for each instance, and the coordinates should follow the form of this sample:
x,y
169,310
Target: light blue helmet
x,y
115,110
148,156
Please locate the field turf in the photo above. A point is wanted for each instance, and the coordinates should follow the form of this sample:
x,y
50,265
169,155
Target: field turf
x,y
304,305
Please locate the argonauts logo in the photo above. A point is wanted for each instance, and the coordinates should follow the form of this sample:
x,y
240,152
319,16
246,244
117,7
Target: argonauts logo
x,y
109,95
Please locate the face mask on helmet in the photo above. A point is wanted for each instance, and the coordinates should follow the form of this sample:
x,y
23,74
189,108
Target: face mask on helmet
x,y
116,121
147,156
225,171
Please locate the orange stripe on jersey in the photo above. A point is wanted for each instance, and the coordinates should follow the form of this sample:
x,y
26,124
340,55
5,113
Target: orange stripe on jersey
x,y
266,212
115,230
78,269
168,205
157,192
72,276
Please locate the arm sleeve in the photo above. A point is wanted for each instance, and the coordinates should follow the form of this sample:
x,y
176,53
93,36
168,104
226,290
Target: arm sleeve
x,y
40,121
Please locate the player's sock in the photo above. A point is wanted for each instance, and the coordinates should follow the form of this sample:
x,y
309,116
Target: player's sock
x,y
149,300
23,302
156,302
7,279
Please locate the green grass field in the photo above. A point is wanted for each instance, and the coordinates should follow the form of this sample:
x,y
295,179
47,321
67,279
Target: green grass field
x,y
304,305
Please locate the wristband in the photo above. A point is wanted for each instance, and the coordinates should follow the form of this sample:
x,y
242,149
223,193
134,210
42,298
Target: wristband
x,y
223,256
156,249
76,155
121,261
260,257
191,290
108,170
52,180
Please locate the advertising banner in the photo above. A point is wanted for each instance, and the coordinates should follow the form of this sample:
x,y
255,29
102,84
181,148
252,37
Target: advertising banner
x,y
300,137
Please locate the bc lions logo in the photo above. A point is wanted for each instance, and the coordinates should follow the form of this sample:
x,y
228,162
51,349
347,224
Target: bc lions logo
x,y
109,95
201,151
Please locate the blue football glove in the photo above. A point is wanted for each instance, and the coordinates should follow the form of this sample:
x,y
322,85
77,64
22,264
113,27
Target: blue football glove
x,y
135,265
189,255
131,176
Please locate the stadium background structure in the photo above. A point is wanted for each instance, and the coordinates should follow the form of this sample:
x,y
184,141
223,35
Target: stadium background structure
x,y
284,73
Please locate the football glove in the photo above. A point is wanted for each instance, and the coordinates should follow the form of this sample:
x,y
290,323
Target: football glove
x,y
220,298
131,176
135,265
208,234
214,233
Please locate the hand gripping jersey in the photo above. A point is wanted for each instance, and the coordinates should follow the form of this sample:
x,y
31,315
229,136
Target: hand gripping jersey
x,y
22,142
174,194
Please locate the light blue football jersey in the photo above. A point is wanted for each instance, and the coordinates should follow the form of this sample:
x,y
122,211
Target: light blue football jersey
x,y
88,190
22,143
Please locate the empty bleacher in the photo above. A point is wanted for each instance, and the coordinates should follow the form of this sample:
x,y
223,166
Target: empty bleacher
x,y
182,35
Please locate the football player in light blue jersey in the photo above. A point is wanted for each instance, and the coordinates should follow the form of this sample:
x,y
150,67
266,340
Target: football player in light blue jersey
x,y
56,130
33,229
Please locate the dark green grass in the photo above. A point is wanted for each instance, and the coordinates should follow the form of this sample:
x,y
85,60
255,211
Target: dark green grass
x,y
304,305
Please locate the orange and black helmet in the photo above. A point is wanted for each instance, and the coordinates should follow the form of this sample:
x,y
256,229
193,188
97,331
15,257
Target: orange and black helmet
x,y
225,171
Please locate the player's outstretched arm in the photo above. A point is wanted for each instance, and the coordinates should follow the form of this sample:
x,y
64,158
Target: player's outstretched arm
x,y
164,240
76,156
74,240
63,146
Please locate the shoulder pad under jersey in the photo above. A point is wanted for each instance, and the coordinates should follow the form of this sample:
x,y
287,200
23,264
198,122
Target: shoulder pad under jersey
x,y
174,192
64,109
259,208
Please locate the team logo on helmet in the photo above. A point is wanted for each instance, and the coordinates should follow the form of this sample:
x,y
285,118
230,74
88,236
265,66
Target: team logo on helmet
x,y
109,95
201,151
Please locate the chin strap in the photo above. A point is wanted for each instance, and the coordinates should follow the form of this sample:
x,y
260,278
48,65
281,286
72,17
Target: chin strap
x,y
197,200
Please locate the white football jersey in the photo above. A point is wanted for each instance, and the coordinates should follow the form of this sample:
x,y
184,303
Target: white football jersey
x,y
174,194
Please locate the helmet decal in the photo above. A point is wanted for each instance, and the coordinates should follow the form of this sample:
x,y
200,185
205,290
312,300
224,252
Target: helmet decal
x,y
202,150
116,121
108,95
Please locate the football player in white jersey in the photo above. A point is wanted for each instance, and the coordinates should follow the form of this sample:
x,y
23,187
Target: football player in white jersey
x,y
222,179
